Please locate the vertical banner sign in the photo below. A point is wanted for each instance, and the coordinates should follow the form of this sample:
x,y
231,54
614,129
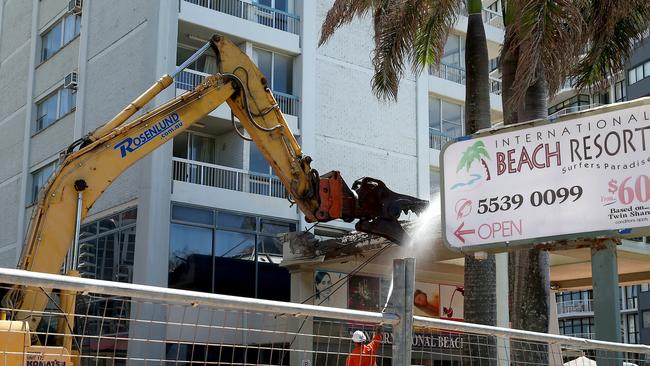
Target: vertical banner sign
x,y
582,177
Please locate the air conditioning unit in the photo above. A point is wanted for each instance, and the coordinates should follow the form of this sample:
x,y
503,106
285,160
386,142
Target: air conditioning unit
x,y
70,81
74,6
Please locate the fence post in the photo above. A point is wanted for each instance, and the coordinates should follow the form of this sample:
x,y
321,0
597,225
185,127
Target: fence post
x,y
400,302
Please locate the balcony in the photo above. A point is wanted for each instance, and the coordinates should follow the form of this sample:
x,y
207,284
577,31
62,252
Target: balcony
x,y
188,79
438,139
573,109
574,306
254,12
493,18
457,75
196,172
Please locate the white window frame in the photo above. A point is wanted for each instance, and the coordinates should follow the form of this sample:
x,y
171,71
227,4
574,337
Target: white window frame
x,y
33,195
272,76
462,114
62,42
58,95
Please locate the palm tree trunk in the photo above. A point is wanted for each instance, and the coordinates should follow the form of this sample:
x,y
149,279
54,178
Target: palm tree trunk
x,y
528,269
480,274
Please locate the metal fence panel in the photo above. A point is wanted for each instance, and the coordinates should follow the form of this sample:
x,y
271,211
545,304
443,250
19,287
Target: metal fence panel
x,y
125,324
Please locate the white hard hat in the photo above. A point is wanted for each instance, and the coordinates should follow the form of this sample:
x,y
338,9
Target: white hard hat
x,y
358,337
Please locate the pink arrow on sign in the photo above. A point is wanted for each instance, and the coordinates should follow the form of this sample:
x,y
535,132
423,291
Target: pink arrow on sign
x,y
460,232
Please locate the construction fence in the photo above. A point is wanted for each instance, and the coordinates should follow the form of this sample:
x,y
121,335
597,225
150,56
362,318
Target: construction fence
x,y
126,324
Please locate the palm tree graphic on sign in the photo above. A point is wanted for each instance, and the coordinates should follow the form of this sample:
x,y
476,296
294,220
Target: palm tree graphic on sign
x,y
476,152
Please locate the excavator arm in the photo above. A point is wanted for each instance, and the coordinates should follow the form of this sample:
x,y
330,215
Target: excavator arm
x,y
91,164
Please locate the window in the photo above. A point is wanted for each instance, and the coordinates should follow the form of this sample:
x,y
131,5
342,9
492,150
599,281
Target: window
x,y
644,287
646,319
571,105
208,246
54,106
277,68
638,73
107,252
454,51
39,178
630,296
445,122
632,329
579,327
619,91
62,33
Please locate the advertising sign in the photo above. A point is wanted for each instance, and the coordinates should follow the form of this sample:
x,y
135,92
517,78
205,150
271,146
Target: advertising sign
x,y
582,177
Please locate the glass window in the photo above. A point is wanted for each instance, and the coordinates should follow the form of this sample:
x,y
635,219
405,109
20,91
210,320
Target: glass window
x,y
269,245
51,42
109,223
644,287
451,119
68,100
39,178
646,319
59,35
46,112
190,257
257,163
202,148
282,74
632,331
180,145
191,214
233,244
234,221
277,227
264,61
55,106
631,76
452,54
277,68
639,72
434,113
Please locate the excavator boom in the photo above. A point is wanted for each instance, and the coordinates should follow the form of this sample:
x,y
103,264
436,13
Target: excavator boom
x,y
91,164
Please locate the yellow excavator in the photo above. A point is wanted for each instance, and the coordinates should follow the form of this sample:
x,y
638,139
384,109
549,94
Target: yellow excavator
x,y
92,163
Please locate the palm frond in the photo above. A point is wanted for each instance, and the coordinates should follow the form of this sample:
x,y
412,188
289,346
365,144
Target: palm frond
x,y
547,34
431,37
342,12
612,26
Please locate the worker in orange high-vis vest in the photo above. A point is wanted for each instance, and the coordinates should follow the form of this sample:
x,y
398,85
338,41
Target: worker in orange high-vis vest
x,y
364,354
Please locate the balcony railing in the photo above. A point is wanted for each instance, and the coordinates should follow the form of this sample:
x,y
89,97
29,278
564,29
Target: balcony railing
x,y
212,175
438,139
581,335
495,86
574,306
254,12
576,108
189,79
449,72
457,75
492,18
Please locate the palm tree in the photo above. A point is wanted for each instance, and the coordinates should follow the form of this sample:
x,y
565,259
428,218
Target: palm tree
x,y
474,153
546,42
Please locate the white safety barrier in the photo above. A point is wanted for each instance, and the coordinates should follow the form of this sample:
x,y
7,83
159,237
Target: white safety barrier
x,y
127,324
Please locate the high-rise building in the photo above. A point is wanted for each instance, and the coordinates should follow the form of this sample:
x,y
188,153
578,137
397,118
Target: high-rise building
x,y
69,66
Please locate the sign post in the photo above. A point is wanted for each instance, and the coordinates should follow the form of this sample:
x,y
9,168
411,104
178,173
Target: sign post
x,y
607,315
584,177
